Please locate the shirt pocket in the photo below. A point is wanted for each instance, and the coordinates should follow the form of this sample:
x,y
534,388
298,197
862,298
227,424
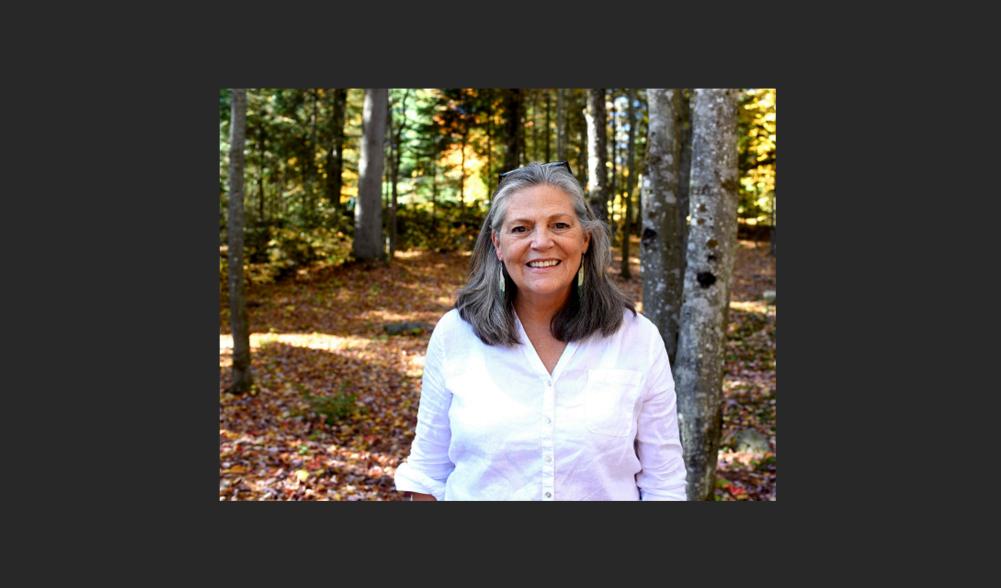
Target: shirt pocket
x,y
610,400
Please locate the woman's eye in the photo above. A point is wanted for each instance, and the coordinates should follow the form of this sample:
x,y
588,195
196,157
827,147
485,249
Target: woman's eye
x,y
518,229
562,226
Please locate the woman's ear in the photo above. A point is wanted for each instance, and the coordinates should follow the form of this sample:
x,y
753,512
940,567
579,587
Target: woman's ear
x,y
587,241
496,242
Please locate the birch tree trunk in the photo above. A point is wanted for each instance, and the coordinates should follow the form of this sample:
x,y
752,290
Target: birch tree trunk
x,y
712,242
630,182
561,124
368,209
660,244
242,376
597,178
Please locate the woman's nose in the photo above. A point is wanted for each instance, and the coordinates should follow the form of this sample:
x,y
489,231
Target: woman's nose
x,y
542,239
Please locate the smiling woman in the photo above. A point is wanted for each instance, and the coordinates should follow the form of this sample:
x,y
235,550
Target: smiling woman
x,y
544,383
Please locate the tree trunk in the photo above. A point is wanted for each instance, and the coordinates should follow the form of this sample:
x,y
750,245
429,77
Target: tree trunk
x,y
261,144
434,195
462,168
561,125
512,157
630,182
335,157
490,159
610,192
308,165
597,178
712,243
683,111
397,155
660,245
242,377
581,116
368,243
642,132
548,123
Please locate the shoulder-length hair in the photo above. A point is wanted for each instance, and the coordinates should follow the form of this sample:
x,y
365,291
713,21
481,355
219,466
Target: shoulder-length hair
x,y
597,306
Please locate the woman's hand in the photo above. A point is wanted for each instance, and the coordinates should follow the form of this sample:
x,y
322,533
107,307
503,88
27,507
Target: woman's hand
x,y
418,497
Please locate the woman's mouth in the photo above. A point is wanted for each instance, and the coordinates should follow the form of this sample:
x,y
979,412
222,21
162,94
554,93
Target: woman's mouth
x,y
543,263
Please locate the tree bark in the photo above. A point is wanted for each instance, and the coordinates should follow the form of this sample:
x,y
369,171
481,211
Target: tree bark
x,y
660,244
610,191
335,156
462,167
712,242
561,125
548,123
368,243
242,376
581,116
684,124
397,154
597,178
512,157
630,182
490,159
261,147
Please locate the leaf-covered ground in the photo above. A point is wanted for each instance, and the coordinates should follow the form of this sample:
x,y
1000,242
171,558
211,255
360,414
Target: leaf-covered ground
x,y
335,400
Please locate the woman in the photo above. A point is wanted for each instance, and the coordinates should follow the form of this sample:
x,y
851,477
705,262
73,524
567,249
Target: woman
x,y
543,383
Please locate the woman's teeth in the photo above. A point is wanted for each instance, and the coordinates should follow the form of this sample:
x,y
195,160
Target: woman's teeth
x,y
543,263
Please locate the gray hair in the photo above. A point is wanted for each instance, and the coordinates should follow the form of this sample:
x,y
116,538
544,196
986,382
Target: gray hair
x,y
597,306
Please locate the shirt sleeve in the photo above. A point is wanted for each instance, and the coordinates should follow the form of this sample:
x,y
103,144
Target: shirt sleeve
x,y
427,467
658,440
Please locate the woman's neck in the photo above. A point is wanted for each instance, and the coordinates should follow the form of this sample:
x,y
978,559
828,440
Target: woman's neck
x,y
538,311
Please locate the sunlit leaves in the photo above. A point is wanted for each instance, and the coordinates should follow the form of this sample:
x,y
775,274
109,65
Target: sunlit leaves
x,y
756,154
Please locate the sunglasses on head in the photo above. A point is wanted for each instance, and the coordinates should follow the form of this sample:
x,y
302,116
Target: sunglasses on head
x,y
557,164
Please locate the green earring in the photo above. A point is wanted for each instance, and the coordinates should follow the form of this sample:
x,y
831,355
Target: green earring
x,y
580,276
501,282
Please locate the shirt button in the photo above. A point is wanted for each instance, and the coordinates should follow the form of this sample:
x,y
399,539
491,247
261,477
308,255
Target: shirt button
x,y
549,494
548,459
548,420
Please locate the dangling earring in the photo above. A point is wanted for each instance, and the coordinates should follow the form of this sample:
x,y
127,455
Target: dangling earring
x,y
580,276
501,283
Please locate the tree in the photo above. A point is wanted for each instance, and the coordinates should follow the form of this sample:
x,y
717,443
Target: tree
x,y
368,243
660,245
512,107
613,148
242,376
630,182
597,179
400,124
683,116
712,242
561,125
335,155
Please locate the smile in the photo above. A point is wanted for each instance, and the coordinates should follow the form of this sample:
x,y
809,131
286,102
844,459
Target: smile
x,y
544,263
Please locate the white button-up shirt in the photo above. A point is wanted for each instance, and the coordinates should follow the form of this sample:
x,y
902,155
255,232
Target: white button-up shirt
x,y
494,424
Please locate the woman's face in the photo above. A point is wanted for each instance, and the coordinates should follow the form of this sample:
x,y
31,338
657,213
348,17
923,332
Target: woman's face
x,y
541,243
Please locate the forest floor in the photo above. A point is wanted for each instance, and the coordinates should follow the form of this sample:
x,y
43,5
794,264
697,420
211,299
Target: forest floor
x,y
334,405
